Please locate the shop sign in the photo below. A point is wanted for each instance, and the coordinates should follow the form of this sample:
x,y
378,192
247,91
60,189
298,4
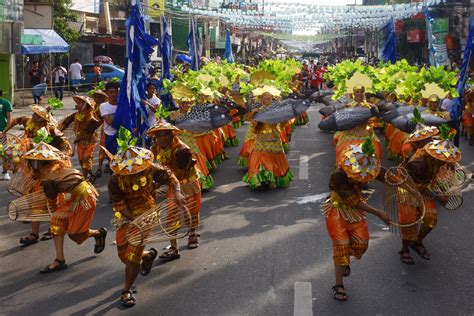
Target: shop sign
x,y
415,36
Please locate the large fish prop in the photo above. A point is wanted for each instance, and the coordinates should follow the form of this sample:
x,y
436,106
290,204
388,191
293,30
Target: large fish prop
x,y
319,95
347,119
281,111
405,122
204,118
399,109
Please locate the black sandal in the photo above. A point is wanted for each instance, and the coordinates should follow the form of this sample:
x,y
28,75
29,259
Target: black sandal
x,y
193,241
146,265
338,294
423,253
171,254
100,241
130,301
347,272
98,174
62,266
405,257
26,241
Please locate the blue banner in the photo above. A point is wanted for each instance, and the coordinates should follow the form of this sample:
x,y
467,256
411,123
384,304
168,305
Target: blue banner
x,y
228,55
193,44
133,86
389,52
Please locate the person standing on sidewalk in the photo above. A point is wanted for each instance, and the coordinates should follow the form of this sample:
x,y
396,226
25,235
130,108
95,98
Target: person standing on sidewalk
x,y
5,116
59,79
76,75
107,112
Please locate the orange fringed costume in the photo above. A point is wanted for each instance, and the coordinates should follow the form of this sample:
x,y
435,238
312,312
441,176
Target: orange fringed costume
x,y
267,163
247,147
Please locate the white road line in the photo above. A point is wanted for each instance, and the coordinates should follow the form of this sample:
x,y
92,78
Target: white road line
x,y
303,305
303,170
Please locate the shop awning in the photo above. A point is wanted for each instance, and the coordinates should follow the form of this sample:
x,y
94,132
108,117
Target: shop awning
x,y
37,41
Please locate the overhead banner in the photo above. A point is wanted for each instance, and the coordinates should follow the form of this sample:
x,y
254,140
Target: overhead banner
x,y
156,8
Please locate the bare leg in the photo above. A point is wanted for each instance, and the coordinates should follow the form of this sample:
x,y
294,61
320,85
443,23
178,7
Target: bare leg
x,y
131,273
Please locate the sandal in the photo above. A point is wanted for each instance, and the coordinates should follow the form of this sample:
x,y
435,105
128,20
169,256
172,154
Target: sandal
x,y
26,241
405,257
100,241
98,174
347,272
146,265
421,251
47,236
61,266
129,300
338,294
171,254
193,241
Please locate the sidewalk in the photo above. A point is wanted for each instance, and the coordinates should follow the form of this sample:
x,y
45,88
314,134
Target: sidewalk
x,y
20,110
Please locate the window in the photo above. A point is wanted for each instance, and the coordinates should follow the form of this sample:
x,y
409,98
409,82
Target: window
x,y
106,69
88,69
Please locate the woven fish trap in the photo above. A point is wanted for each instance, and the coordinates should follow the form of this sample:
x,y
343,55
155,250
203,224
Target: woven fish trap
x,y
403,203
165,222
447,187
31,207
21,182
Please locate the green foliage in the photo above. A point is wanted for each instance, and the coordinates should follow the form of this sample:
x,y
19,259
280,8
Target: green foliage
x,y
124,139
2,151
114,79
246,89
417,119
55,103
161,112
62,15
42,135
400,77
167,85
368,147
445,132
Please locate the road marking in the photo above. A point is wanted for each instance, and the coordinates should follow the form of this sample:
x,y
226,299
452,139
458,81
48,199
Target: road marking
x,y
303,305
303,170
316,198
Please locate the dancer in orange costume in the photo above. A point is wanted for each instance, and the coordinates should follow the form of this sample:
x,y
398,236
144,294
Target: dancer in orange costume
x,y
172,153
267,163
72,214
40,120
346,208
132,189
100,97
85,130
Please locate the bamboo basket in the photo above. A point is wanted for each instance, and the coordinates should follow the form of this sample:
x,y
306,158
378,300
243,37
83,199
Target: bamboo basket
x,y
31,207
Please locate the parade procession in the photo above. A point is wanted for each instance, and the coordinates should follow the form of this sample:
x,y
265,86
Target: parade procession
x,y
314,160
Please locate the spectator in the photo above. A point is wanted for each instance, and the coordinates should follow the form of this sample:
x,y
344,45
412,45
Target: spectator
x,y
38,92
76,75
36,74
97,72
59,80
153,103
107,111
5,116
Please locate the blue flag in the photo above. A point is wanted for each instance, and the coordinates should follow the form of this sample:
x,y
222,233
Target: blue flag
x,y
228,49
165,51
456,109
193,44
130,112
389,52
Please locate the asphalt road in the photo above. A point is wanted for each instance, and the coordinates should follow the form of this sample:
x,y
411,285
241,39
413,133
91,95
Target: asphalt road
x,y
261,253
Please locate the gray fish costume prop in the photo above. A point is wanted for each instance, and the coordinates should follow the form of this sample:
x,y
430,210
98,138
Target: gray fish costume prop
x,y
399,111
319,95
204,118
281,111
346,119
405,122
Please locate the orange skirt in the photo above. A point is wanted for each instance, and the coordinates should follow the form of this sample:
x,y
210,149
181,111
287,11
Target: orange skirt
x,y
275,163
76,224
85,154
210,145
396,142
245,151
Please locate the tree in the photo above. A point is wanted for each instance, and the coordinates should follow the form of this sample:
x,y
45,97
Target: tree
x,y
62,15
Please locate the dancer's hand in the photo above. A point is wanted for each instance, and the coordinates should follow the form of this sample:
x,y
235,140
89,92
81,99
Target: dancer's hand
x,y
385,218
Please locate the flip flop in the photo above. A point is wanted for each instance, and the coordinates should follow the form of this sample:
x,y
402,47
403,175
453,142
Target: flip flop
x,y
171,254
423,253
25,241
100,241
146,265
338,294
406,259
62,266
130,301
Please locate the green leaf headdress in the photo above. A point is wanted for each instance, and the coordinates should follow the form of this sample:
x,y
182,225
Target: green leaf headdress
x,y
124,139
42,135
55,103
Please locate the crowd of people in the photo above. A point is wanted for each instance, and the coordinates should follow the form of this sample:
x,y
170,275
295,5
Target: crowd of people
x,y
182,159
